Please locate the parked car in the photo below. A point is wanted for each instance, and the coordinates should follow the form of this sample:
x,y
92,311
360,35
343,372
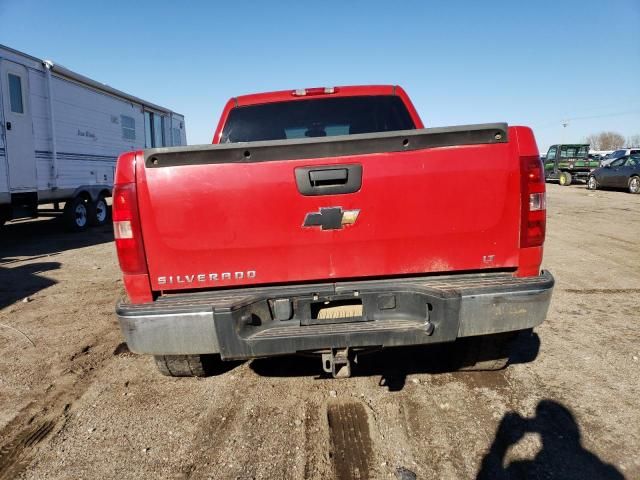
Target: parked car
x,y
330,221
623,152
599,154
622,172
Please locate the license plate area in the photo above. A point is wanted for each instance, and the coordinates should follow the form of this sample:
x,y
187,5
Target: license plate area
x,y
337,311
331,309
392,313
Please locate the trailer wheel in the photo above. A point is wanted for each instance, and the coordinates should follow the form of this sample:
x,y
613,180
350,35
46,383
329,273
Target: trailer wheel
x,y
482,353
76,214
634,184
564,179
99,212
185,365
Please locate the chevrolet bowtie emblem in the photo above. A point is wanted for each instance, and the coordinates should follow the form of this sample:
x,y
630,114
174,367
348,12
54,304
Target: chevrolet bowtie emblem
x,y
331,218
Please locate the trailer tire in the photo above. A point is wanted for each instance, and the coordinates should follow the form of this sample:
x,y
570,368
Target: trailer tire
x,y
76,214
484,352
185,365
99,212
634,184
564,179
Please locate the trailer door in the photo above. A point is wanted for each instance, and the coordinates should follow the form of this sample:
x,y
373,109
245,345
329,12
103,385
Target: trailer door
x,y
18,127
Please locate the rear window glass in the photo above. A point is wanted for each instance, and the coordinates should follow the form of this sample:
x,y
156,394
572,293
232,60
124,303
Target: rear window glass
x,y
324,117
574,151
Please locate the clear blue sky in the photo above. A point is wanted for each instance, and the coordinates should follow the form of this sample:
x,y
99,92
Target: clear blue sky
x,y
534,63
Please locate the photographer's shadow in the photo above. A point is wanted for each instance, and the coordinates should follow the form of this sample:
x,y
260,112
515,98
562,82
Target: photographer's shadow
x,y
562,455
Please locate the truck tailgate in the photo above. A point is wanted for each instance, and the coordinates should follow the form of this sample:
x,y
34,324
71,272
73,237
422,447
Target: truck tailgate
x,y
429,201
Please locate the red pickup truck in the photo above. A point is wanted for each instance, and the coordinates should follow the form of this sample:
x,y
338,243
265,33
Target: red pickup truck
x,y
330,221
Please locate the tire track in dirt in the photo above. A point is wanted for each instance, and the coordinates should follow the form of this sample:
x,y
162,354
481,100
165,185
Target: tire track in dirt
x,y
316,455
351,446
14,456
25,434
242,425
616,239
602,291
460,407
214,431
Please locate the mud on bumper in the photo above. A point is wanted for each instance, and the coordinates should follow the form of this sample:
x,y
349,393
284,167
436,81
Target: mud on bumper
x,y
265,321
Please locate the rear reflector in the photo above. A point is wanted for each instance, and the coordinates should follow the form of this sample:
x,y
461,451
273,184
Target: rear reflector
x,y
535,231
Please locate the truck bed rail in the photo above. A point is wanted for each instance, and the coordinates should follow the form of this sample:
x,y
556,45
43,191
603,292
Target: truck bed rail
x,y
336,146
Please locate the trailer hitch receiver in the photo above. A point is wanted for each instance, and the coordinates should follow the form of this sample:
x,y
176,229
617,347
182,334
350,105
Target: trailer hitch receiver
x,y
337,362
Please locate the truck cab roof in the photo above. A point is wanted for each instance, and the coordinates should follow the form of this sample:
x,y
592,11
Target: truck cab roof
x,y
306,93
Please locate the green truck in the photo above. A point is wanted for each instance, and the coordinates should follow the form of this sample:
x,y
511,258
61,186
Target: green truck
x,y
568,162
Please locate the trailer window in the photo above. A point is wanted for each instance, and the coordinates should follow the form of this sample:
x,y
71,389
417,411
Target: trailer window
x,y
128,127
15,93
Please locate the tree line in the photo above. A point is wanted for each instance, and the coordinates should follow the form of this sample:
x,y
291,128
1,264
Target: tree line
x,y
611,141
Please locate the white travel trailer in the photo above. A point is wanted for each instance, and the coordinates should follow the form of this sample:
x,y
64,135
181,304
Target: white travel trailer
x,y
60,135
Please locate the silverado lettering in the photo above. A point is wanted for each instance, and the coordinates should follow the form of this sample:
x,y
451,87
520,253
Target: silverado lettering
x,y
204,277
368,230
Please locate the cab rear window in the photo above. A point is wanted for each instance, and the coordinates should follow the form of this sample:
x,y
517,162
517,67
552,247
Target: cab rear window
x,y
574,151
323,117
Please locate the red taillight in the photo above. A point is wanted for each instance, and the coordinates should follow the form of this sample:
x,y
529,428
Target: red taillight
x,y
532,231
127,232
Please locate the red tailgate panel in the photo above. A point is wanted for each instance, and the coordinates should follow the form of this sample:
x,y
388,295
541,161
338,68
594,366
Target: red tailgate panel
x,y
435,210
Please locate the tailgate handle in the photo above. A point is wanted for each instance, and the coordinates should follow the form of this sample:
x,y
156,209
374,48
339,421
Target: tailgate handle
x,y
328,179
332,176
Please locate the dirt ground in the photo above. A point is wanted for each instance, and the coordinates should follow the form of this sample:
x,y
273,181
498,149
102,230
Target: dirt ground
x,y
74,403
